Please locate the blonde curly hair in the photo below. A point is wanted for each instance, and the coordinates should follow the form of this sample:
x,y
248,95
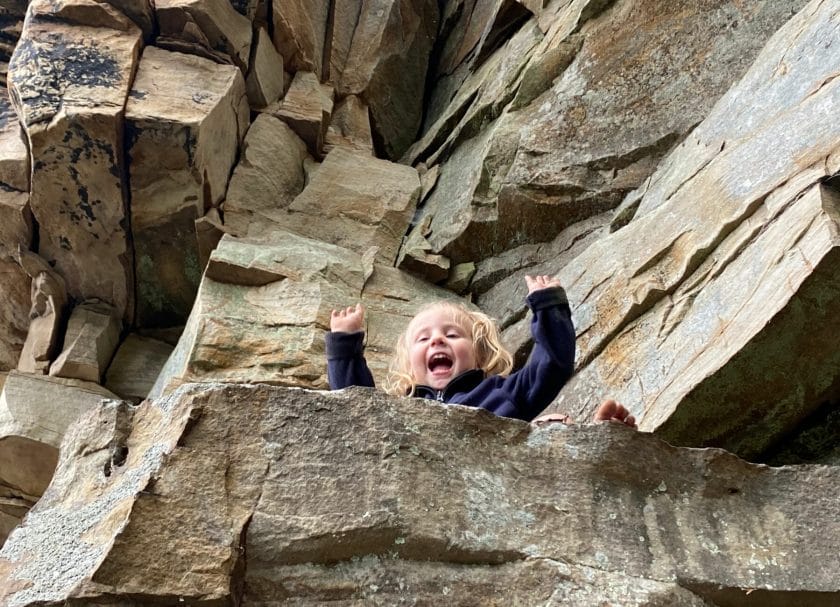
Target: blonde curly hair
x,y
490,356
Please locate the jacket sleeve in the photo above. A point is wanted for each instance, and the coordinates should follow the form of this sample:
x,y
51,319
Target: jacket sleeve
x,y
346,365
552,360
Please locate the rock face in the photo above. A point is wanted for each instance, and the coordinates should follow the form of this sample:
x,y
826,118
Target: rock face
x,y
733,215
69,84
307,495
189,114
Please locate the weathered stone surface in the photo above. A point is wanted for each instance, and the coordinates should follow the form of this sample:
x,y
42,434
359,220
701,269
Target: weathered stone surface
x,y
354,201
11,24
14,156
91,338
271,300
350,126
187,114
208,232
341,496
300,32
15,232
307,108
35,411
136,366
387,66
265,82
269,174
660,326
345,16
112,14
563,157
210,28
48,297
69,85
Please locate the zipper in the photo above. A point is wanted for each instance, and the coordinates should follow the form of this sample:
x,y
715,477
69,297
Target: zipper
x,y
439,396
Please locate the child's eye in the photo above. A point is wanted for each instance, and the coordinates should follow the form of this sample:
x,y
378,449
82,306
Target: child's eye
x,y
453,334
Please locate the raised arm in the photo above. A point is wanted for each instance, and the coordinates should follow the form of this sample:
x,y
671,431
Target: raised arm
x,y
346,364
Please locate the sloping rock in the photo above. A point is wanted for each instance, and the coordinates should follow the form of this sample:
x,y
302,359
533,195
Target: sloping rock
x,y
350,126
660,326
92,337
123,15
344,496
35,411
271,300
189,115
307,108
69,85
300,28
209,28
563,157
265,82
345,17
353,201
387,65
208,232
136,366
269,174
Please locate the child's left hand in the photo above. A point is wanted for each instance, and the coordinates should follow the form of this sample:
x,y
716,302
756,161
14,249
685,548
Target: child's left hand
x,y
536,283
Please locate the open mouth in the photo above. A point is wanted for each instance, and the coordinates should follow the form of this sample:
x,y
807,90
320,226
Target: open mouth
x,y
440,364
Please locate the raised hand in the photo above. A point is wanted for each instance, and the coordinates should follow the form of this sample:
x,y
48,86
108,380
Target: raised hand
x,y
609,410
535,283
348,320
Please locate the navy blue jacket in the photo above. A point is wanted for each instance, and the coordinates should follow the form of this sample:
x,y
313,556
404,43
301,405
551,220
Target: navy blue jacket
x,y
521,395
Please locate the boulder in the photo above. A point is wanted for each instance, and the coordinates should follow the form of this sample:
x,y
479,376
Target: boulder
x,y
561,158
300,28
345,16
35,411
208,232
307,108
15,232
387,64
265,82
269,174
660,326
136,366
354,201
260,492
187,114
14,156
91,338
208,28
69,84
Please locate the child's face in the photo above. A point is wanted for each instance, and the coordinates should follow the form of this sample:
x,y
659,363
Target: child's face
x,y
439,348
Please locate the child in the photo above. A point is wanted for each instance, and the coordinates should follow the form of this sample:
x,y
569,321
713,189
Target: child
x,y
453,355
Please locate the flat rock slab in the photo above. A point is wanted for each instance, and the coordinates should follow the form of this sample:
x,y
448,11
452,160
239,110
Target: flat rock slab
x,y
136,366
659,324
306,494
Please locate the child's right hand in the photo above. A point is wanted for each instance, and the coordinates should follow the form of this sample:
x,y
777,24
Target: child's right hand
x,y
348,320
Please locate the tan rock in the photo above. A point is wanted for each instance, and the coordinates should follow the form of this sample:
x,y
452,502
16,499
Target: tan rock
x,y
185,113
123,15
14,156
265,82
14,312
387,66
92,337
136,366
307,108
345,16
353,201
35,411
264,306
299,33
209,28
15,223
269,174
48,298
208,232
698,361
69,85
561,158
416,257
291,492
350,126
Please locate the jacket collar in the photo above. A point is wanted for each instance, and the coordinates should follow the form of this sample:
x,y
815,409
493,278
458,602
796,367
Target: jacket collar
x,y
463,382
